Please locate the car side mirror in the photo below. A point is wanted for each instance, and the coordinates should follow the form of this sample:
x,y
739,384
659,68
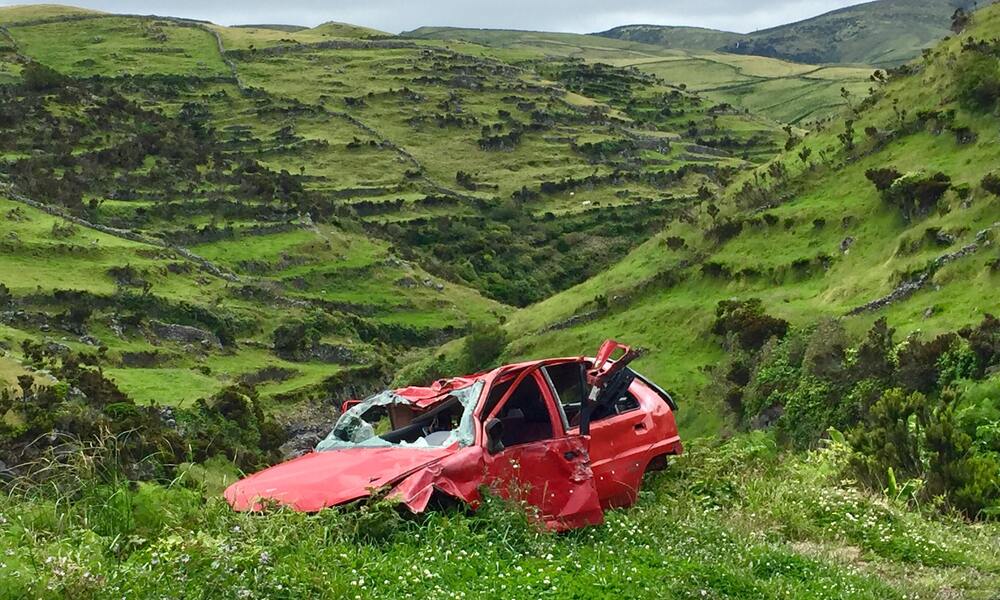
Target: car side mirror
x,y
494,436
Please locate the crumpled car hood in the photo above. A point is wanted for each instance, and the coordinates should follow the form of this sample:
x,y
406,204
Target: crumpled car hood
x,y
318,480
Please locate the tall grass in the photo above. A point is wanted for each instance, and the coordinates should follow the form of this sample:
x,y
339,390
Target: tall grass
x,y
736,519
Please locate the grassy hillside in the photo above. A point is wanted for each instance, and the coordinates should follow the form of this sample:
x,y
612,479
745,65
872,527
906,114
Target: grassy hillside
x,y
675,38
316,203
782,91
811,237
200,258
884,33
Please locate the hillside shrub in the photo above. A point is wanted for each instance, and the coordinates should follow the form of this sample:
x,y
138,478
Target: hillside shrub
x,y
676,243
85,409
811,408
232,424
984,342
42,78
484,344
883,178
295,339
745,322
889,438
915,195
909,409
960,20
977,77
991,184
917,362
909,436
769,379
725,230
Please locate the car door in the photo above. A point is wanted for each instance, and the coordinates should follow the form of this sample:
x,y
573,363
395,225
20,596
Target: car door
x,y
620,431
535,461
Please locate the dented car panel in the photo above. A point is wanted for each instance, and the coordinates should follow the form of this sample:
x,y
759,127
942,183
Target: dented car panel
x,y
554,476
625,444
319,480
568,436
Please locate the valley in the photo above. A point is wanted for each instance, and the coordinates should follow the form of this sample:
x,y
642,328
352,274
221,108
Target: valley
x,y
212,236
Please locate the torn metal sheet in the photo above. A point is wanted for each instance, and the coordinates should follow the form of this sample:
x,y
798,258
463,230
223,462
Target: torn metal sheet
x,y
569,437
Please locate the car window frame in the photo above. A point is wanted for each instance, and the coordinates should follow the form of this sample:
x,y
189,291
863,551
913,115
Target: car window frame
x,y
548,397
582,363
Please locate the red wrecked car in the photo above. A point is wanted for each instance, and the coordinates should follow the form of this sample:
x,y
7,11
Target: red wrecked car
x,y
570,436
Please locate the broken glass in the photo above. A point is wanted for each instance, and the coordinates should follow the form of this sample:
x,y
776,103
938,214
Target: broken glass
x,y
430,428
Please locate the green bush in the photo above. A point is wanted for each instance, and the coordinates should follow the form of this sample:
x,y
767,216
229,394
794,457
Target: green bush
x,y
232,424
810,410
883,179
115,437
991,183
889,437
977,79
746,322
917,194
913,436
42,78
484,344
917,362
909,410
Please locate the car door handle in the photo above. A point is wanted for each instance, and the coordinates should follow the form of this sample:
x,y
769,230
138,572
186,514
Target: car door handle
x,y
640,427
570,455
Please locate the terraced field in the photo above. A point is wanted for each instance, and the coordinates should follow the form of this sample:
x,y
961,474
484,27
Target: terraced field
x,y
211,236
300,208
812,238
782,91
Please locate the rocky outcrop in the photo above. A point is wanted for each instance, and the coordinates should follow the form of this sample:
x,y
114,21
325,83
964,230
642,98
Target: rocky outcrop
x,y
185,334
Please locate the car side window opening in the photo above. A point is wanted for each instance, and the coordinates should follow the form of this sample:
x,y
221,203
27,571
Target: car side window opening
x,y
570,385
525,415
569,382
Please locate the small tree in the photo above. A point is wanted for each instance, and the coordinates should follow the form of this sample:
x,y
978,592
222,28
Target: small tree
x,y
804,154
483,345
914,194
847,137
883,178
747,323
917,195
41,78
889,438
960,20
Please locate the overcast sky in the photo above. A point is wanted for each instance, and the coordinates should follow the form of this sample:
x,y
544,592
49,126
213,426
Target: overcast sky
x,y
582,16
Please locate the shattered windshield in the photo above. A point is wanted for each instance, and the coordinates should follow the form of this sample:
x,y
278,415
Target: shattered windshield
x,y
388,420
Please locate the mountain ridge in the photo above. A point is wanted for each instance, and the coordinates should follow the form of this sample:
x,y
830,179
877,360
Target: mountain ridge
x,y
883,33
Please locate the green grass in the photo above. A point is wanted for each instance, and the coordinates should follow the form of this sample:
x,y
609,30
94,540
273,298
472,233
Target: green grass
x,y
239,38
673,322
732,521
121,45
12,15
165,386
